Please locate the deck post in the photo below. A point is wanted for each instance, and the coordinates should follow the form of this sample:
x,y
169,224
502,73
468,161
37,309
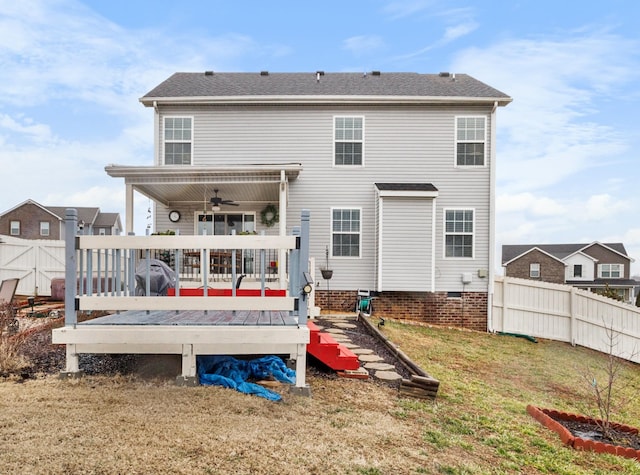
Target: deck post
x,y
70,314
299,266
303,265
71,226
188,376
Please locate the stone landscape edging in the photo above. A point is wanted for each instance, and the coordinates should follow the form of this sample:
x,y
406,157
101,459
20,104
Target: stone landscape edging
x,y
546,418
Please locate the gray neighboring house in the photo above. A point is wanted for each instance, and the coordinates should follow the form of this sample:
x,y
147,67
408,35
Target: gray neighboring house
x,y
397,169
590,266
31,220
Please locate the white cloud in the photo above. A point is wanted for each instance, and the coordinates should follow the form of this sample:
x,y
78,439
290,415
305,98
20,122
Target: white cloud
x,y
457,31
530,204
364,44
25,126
602,206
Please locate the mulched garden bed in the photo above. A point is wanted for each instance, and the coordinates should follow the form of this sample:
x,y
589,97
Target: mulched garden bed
x,y
583,433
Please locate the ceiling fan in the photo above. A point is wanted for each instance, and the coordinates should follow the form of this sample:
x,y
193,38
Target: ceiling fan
x,y
216,201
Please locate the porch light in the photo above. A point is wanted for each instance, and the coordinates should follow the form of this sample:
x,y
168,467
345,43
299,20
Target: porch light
x,y
215,208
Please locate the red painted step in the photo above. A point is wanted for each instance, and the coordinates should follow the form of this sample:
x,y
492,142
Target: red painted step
x,y
336,356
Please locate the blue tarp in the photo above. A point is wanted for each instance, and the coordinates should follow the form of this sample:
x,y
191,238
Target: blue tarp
x,y
233,373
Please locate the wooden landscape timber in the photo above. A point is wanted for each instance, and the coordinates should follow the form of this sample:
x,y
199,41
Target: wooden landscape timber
x,y
421,385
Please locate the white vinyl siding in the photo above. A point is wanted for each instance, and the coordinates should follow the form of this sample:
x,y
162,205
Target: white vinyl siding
x,y
407,244
403,144
178,143
348,140
470,141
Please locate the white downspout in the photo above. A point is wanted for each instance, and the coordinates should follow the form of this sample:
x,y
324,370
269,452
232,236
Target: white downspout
x,y
492,220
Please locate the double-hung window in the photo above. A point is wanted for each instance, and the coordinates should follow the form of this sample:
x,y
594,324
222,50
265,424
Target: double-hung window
x,y
44,228
178,140
14,228
458,232
610,271
345,231
534,270
470,141
349,140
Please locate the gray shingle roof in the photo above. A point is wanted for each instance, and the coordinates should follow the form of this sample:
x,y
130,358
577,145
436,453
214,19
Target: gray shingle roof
x,y
406,187
560,251
185,85
86,214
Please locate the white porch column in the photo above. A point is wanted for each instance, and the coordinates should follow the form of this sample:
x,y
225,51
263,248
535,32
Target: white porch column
x,y
129,207
282,211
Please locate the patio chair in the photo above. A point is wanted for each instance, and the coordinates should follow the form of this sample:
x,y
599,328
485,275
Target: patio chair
x,y
7,293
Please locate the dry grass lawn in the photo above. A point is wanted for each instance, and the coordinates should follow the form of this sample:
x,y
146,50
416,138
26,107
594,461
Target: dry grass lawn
x,y
107,425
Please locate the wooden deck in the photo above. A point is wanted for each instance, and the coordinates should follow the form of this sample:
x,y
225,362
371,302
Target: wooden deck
x,y
197,317
190,322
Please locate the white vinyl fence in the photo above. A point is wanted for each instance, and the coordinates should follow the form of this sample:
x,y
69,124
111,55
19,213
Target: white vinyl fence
x,y
565,313
34,261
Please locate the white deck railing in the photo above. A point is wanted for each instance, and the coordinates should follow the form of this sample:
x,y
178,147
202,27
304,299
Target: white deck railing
x,y
100,271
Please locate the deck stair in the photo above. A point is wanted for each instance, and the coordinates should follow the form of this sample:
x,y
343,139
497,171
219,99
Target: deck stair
x,y
326,349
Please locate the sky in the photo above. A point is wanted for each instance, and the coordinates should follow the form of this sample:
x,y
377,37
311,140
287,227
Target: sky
x,y
71,74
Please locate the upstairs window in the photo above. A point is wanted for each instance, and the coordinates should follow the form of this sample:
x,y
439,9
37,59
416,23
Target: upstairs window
x,y
458,232
534,270
178,138
610,271
349,140
44,228
577,270
345,230
14,228
470,141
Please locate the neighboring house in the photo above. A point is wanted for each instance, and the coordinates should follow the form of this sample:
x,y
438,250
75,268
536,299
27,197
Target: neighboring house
x,y
587,266
31,220
397,170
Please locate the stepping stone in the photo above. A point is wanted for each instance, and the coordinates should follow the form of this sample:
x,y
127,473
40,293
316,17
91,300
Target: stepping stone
x,y
351,346
370,358
362,351
334,330
341,338
346,325
387,375
380,366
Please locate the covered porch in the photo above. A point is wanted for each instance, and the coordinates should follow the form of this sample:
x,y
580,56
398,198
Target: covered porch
x,y
182,203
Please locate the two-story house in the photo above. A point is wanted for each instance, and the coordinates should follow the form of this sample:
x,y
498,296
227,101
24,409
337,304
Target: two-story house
x,y
31,220
397,169
593,266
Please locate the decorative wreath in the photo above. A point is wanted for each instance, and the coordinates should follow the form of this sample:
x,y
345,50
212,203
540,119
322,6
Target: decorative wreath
x,y
269,215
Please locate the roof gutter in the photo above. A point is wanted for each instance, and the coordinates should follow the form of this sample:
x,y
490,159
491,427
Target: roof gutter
x,y
119,171
298,100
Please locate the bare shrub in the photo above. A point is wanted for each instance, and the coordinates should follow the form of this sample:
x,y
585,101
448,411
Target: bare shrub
x,y
605,382
11,361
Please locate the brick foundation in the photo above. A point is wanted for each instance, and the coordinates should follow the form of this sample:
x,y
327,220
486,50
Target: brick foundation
x,y
436,308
